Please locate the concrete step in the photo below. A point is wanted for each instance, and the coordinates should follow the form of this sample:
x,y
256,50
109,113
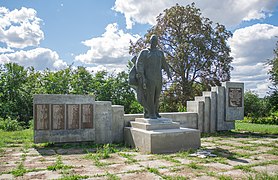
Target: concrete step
x,y
157,126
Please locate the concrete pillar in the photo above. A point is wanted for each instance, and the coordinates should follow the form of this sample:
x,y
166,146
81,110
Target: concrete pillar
x,y
103,122
117,123
197,107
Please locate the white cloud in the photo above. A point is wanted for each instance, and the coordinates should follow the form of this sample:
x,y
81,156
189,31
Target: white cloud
x,y
110,49
39,58
251,47
228,12
20,28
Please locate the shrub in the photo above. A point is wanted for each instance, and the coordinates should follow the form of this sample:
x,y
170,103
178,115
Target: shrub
x,y
9,124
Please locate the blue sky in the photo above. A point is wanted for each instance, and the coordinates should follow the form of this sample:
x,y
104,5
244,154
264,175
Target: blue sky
x,y
96,34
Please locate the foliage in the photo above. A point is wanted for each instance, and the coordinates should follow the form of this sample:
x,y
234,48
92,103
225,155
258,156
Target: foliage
x,y
254,106
273,98
9,124
18,85
196,50
274,67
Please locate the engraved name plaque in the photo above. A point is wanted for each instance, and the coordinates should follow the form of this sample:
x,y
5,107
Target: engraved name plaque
x,y
235,97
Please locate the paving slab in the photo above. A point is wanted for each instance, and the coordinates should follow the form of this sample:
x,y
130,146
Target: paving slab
x,y
270,169
156,163
139,176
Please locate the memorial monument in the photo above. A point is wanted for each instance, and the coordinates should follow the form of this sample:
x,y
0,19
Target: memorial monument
x,y
147,77
153,134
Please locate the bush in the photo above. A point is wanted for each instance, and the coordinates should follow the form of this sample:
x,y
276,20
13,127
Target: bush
x,y
9,124
256,107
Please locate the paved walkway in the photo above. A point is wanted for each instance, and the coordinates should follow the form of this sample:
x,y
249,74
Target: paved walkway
x,y
224,156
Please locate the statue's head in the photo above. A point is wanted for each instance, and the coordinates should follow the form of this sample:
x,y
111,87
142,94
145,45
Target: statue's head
x,y
154,40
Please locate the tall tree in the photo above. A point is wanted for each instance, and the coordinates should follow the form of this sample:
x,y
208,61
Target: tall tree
x,y
196,50
273,98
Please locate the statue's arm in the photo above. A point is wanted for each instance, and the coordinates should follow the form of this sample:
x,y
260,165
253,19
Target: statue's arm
x,y
140,68
165,66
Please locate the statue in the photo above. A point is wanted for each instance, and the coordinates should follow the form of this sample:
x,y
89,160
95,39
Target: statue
x,y
146,77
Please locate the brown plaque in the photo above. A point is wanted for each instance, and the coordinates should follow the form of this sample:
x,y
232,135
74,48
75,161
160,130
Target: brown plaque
x,y
87,116
41,116
73,116
235,97
58,116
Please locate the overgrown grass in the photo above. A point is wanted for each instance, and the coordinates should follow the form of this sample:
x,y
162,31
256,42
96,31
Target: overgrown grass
x,y
14,138
257,128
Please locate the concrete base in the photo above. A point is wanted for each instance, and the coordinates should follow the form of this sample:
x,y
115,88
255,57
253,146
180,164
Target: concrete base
x,y
160,136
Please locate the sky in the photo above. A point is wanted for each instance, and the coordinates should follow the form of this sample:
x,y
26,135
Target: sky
x,y
96,34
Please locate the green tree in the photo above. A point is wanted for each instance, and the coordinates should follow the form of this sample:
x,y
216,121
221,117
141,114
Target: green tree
x,y
13,96
273,98
196,50
57,82
81,81
254,106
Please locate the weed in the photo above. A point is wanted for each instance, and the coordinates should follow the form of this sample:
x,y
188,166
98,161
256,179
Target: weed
x,y
112,176
59,165
73,177
96,158
223,177
19,171
174,177
129,158
153,170
245,168
193,165
273,151
263,175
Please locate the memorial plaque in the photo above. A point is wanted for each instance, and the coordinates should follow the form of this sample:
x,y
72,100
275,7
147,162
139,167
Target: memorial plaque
x,y
41,117
235,97
58,116
87,116
73,116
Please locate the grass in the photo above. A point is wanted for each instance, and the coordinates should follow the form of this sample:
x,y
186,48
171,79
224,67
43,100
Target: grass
x,y
194,165
11,138
59,165
19,171
73,177
256,128
264,176
129,158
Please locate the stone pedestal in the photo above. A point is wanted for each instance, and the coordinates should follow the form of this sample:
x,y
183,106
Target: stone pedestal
x,y
160,136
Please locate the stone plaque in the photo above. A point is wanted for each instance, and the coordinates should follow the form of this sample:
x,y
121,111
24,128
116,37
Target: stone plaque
x,y
235,97
87,116
41,116
58,116
73,116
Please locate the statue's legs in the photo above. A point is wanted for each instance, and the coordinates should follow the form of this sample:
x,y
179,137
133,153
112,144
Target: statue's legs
x,y
150,99
156,99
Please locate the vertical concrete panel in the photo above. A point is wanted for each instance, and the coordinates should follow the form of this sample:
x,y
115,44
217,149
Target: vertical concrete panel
x,y
73,116
103,122
42,117
117,123
234,101
213,109
197,107
207,112
58,116
220,106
